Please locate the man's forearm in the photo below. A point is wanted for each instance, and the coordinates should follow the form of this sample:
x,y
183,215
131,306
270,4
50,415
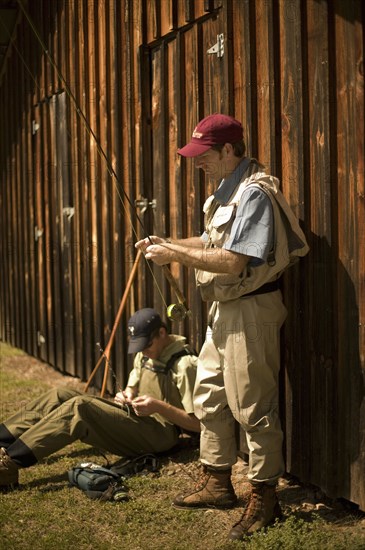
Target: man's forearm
x,y
193,242
214,260
179,417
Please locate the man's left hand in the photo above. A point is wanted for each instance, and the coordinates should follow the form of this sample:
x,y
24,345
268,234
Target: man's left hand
x,y
144,405
159,254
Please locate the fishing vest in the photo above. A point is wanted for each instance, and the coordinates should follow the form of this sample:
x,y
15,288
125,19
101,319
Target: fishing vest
x,y
218,222
156,381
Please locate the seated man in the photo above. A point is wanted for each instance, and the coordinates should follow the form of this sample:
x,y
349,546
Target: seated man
x,y
145,417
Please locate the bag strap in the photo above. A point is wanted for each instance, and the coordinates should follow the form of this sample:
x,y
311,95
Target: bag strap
x,y
165,369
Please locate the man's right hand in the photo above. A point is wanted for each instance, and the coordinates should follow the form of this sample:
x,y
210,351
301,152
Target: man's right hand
x,y
124,397
146,242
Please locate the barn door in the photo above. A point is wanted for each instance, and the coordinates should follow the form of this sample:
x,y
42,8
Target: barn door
x,y
188,79
53,234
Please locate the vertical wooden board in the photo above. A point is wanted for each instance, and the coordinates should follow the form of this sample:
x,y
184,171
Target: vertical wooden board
x,y
290,86
50,230
67,220
84,253
73,72
28,207
175,191
358,468
95,245
6,194
265,48
137,144
144,287
322,273
2,210
22,256
243,51
46,198
63,138
168,16
14,249
40,256
113,100
350,374
214,78
159,103
53,232
55,27
177,198
193,113
10,227
3,153
153,13
104,174
196,190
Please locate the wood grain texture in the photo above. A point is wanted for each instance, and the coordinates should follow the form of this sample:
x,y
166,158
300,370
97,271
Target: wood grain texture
x,y
139,70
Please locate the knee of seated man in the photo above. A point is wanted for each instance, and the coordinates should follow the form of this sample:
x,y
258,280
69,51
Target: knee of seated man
x,y
65,394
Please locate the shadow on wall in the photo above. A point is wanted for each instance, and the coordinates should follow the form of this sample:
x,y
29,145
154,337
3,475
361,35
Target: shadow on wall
x,y
323,381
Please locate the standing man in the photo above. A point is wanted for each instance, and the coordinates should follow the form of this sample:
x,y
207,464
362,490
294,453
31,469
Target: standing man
x,y
146,417
250,237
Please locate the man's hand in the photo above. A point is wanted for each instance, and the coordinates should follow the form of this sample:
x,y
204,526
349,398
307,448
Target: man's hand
x,y
125,397
146,242
144,405
158,250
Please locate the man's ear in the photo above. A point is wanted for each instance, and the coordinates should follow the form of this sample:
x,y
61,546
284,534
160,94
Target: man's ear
x,y
229,148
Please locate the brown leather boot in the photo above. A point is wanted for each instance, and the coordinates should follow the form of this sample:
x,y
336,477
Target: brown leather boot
x,y
213,490
262,509
9,476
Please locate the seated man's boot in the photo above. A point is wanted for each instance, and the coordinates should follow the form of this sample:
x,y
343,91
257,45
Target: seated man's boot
x,y
213,490
9,471
262,509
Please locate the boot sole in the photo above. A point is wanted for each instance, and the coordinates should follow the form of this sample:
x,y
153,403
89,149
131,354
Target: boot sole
x,y
205,506
241,536
8,488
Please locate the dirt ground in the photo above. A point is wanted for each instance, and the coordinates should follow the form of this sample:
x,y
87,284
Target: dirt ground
x,y
294,496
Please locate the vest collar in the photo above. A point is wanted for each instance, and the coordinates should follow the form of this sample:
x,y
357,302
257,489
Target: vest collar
x,y
229,184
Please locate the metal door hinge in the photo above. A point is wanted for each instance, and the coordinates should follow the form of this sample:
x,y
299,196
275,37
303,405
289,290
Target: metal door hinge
x,y
144,203
68,211
38,232
35,127
40,338
218,47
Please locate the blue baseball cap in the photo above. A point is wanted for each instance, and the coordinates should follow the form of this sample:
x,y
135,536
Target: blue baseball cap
x,y
140,327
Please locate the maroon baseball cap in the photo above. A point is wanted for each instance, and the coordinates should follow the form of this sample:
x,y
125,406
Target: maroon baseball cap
x,y
214,129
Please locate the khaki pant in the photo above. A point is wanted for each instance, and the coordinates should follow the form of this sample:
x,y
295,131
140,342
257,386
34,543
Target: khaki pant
x,y
63,415
237,380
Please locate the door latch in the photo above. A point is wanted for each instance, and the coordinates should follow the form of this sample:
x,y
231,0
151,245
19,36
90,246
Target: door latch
x,y
144,203
218,47
68,211
38,232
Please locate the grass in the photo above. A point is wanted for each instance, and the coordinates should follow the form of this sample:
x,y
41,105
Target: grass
x,y
46,513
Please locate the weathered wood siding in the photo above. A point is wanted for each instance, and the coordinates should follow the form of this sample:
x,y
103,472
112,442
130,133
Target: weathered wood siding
x,y
141,74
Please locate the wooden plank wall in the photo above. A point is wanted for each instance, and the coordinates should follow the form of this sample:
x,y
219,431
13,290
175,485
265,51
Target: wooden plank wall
x,y
139,71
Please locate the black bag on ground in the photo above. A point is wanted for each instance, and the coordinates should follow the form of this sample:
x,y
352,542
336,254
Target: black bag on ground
x,y
98,482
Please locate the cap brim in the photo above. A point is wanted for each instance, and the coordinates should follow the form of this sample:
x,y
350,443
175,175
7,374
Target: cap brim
x,y
138,344
193,149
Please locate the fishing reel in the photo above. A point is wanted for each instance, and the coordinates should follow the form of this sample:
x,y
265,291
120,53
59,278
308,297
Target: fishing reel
x,y
178,312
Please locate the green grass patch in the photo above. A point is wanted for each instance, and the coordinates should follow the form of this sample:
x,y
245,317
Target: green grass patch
x,y
48,514
6,350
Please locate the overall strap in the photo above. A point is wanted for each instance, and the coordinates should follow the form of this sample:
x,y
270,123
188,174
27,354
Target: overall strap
x,y
171,361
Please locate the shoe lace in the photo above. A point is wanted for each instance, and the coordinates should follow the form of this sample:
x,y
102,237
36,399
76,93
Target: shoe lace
x,y
4,458
252,508
202,481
